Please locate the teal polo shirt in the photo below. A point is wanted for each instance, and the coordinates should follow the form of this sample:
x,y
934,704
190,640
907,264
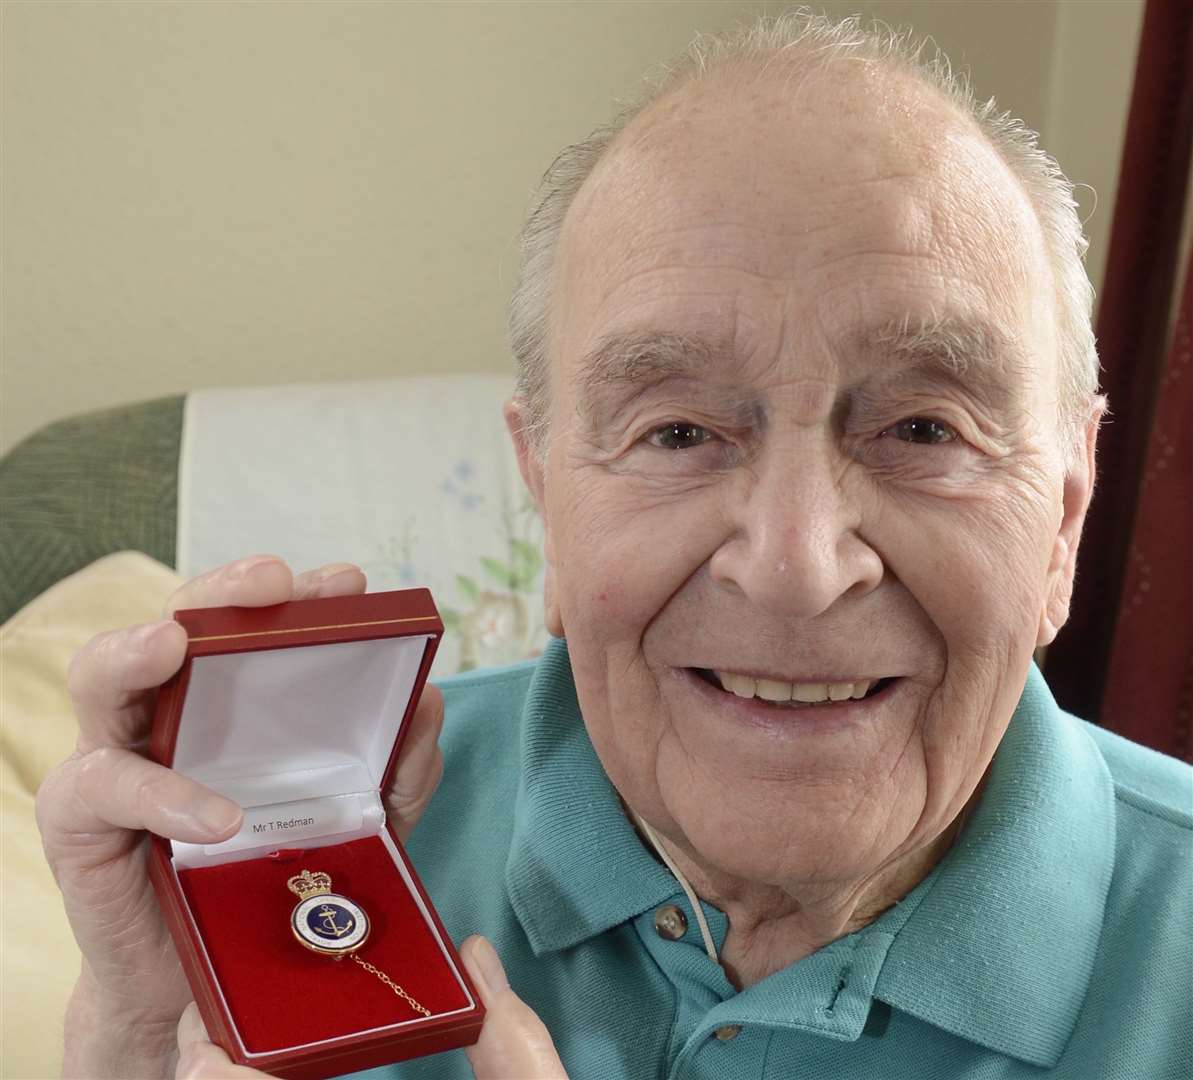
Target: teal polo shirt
x,y
1052,940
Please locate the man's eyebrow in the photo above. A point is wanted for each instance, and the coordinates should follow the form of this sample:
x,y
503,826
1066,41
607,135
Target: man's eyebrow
x,y
634,360
969,352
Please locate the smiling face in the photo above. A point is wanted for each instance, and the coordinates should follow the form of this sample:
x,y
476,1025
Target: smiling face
x,y
803,443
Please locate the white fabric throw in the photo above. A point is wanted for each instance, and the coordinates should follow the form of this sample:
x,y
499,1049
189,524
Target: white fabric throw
x,y
414,479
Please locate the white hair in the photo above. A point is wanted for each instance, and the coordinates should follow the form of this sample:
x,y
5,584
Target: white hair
x,y
813,40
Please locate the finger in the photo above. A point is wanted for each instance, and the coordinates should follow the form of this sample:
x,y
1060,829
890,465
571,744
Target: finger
x,y
198,1057
191,1028
109,680
112,789
514,1042
334,579
421,765
255,581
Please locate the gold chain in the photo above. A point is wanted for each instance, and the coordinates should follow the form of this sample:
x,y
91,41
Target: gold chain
x,y
392,985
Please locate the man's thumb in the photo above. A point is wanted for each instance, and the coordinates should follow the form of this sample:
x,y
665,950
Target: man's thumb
x,y
514,1042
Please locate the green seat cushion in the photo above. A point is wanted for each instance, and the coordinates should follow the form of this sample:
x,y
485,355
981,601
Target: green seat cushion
x,y
84,487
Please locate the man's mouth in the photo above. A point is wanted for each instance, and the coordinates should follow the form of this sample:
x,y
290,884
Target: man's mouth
x,y
793,694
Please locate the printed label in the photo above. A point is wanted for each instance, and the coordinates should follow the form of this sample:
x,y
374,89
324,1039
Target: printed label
x,y
286,822
282,826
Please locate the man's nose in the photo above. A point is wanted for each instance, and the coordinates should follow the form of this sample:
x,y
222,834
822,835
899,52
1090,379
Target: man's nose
x,y
796,545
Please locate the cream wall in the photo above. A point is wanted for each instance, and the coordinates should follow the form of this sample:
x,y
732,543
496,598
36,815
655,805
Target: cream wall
x,y
212,193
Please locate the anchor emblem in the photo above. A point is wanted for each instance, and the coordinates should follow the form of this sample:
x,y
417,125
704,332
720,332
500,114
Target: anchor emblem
x,y
325,921
331,926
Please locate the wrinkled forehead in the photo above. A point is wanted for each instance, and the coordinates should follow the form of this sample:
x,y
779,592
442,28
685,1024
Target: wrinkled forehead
x,y
852,199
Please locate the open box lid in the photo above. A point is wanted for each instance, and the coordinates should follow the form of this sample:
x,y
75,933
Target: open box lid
x,y
306,702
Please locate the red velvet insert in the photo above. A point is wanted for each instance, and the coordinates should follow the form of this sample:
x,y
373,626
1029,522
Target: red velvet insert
x,y
282,994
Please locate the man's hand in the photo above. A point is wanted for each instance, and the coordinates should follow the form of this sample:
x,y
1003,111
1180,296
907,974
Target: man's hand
x,y
514,1043
94,810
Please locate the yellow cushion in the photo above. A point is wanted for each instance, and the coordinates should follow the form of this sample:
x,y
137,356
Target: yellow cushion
x,y
39,960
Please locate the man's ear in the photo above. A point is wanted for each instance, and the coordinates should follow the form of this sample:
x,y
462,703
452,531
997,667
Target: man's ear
x,y
534,475
1078,490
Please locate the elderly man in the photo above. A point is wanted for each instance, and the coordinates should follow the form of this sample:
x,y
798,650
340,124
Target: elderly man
x,y
809,407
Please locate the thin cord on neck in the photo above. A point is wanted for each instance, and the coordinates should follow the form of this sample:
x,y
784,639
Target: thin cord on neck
x,y
697,910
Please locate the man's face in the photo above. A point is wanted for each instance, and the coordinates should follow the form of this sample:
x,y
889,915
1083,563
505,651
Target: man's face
x,y
803,442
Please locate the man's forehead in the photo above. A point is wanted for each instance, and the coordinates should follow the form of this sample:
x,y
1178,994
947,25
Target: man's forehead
x,y
814,130
646,231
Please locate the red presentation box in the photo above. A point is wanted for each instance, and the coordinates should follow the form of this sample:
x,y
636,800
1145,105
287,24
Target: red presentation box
x,y
297,712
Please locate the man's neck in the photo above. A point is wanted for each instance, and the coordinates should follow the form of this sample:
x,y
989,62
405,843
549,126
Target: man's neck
x,y
772,927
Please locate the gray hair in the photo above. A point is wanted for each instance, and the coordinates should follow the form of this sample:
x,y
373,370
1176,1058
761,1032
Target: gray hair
x,y
815,40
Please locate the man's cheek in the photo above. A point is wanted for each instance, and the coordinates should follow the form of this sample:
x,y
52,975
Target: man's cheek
x,y
988,545
606,593
633,556
1017,554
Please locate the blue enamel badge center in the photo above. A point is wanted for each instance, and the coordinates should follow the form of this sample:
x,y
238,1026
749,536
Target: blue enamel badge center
x,y
325,921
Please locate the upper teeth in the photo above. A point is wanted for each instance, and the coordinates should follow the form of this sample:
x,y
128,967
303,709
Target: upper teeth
x,y
773,690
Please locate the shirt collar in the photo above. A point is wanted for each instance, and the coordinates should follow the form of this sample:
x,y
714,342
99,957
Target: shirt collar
x,y
1001,948
576,866
997,946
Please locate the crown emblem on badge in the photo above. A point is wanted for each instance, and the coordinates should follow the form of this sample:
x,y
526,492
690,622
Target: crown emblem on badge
x,y
306,884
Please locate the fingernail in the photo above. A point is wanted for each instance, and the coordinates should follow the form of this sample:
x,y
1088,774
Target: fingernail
x,y
488,967
190,1027
326,573
240,569
143,637
215,813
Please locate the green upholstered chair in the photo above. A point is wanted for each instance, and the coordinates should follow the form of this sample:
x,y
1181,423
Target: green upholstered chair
x,y
83,487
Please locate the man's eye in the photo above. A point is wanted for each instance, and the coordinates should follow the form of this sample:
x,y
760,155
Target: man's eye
x,y
679,436
922,430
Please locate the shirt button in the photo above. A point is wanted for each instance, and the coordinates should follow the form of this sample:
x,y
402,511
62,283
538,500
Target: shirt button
x,y
729,1031
670,922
